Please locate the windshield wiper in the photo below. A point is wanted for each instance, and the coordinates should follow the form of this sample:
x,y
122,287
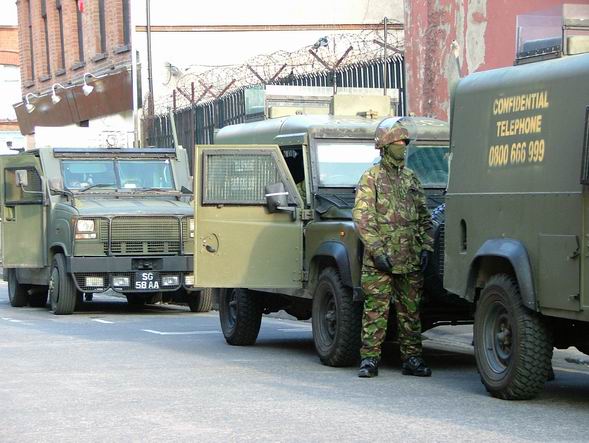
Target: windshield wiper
x,y
154,189
97,185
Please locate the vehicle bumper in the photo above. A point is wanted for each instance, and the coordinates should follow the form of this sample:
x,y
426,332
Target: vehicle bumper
x,y
108,267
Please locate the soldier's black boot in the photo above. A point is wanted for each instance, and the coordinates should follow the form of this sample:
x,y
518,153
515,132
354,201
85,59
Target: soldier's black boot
x,y
416,366
368,367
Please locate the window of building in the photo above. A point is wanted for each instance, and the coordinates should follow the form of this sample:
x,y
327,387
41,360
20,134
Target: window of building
x,y
80,35
32,55
126,23
46,36
102,26
61,39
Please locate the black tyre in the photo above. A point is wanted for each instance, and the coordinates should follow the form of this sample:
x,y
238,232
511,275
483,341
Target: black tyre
x,y
336,321
200,301
18,294
513,345
62,291
240,312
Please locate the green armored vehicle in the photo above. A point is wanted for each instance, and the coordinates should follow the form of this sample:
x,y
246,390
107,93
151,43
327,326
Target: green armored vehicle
x,y
273,203
517,224
81,221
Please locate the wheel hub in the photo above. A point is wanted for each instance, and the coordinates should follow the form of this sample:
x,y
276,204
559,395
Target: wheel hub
x,y
498,339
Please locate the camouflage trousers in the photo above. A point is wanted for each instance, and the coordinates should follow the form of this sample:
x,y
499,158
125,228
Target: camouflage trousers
x,y
380,290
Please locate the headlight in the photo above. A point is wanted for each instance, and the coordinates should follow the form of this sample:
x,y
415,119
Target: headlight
x,y
85,230
85,226
94,282
191,227
121,282
170,280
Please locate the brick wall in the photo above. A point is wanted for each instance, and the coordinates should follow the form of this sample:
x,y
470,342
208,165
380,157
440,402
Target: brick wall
x,y
8,45
485,31
39,74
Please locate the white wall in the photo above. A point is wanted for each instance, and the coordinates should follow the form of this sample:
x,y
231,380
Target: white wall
x,y
8,12
9,91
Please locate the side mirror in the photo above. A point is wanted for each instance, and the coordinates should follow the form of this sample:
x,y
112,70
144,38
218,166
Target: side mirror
x,y
22,178
276,197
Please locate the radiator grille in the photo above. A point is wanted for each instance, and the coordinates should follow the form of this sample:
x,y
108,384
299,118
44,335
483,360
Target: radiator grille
x,y
441,243
145,235
187,240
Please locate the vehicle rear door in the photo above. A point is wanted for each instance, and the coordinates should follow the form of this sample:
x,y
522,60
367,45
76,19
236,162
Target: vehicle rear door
x,y
239,243
23,213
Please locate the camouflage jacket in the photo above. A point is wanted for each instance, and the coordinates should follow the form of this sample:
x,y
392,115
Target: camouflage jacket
x,y
392,218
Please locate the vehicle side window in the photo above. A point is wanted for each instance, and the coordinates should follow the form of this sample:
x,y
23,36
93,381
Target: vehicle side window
x,y
15,194
293,156
237,177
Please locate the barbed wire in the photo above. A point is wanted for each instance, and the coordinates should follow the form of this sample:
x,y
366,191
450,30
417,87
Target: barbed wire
x,y
331,52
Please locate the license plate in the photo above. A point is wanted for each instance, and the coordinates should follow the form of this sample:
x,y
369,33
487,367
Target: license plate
x,y
147,280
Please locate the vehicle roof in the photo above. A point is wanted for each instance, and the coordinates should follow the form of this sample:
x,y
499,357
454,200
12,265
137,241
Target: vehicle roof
x,y
522,76
106,152
295,129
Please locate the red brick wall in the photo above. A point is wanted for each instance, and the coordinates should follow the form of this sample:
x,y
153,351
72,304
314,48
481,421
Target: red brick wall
x,y
485,30
49,72
9,45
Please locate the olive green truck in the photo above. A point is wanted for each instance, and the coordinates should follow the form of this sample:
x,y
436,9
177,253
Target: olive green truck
x,y
82,221
274,228
511,239
517,208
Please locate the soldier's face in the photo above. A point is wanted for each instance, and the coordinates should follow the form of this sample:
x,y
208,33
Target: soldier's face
x,y
396,150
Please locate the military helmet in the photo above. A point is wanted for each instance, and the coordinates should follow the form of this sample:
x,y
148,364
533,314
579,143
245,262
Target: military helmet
x,y
387,135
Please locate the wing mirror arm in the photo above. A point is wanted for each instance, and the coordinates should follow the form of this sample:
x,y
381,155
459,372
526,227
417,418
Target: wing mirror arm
x,y
277,199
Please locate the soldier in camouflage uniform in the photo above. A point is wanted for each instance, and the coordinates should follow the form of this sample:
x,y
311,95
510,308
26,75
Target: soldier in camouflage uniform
x,y
392,220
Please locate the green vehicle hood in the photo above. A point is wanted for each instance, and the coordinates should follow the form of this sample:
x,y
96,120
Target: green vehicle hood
x,y
131,206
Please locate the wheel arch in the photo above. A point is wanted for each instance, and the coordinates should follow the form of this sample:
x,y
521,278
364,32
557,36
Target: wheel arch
x,y
331,253
507,256
57,248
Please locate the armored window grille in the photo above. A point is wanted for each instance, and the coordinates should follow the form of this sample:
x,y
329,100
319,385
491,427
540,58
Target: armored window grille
x,y
13,194
585,162
238,178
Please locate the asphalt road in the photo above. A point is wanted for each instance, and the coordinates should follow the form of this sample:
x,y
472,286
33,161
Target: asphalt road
x,y
166,374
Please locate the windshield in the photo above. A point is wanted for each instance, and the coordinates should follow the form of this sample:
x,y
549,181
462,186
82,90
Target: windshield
x,y
430,164
122,174
342,164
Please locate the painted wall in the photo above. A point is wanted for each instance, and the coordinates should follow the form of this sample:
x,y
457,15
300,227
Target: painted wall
x,y
485,31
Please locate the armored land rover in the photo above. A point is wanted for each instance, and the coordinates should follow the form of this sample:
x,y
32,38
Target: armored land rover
x,y
81,221
274,228
517,208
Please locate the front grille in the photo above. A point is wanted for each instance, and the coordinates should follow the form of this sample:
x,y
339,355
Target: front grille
x,y
440,248
80,278
102,230
188,241
145,235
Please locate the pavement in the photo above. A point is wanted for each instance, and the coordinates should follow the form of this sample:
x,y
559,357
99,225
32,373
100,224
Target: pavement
x,y
166,374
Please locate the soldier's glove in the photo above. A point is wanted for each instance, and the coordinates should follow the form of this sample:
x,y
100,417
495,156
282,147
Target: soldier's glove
x,y
382,263
424,260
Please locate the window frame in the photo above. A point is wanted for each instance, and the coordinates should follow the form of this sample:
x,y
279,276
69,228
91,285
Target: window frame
x,y
206,201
